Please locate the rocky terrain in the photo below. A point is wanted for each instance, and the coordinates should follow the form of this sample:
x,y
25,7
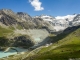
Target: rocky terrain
x,y
20,25
21,30
65,46
60,23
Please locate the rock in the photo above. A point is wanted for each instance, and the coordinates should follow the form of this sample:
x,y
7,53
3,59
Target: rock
x,y
23,41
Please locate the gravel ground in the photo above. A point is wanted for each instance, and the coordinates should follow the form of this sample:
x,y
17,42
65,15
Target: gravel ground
x,y
38,35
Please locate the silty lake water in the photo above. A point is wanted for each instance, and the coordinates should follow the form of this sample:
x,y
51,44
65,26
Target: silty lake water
x,y
11,52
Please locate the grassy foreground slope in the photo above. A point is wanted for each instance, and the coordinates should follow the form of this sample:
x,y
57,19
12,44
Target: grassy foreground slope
x,y
66,47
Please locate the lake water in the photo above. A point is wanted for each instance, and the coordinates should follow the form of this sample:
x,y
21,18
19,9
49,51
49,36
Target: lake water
x,y
37,40
11,52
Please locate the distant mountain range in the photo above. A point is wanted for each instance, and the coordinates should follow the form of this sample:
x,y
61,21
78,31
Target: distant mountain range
x,y
61,22
20,29
45,36
25,21
21,19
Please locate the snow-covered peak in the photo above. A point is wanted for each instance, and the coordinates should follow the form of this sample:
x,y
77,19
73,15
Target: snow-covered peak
x,y
59,28
62,22
69,17
45,17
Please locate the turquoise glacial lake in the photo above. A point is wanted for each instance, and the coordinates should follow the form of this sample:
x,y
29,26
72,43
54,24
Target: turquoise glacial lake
x,y
11,52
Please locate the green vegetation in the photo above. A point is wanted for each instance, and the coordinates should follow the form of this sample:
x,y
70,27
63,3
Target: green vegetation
x,y
4,31
19,27
3,41
23,41
11,27
66,46
52,35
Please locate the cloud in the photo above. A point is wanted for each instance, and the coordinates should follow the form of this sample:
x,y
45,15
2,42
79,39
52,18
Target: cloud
x,y
37,5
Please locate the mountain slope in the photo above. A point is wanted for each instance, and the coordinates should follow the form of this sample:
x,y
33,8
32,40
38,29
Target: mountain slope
x,y
17,30
67,47
19,27
5,31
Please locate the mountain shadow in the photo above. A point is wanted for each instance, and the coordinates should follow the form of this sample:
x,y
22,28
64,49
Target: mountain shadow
x,y
64,34
3,41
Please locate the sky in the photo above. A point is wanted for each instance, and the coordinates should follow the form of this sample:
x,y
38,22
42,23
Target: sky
x,y
38,7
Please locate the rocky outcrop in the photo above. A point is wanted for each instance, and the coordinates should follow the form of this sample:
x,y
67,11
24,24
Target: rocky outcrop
x,y
23,41
24,16
40,23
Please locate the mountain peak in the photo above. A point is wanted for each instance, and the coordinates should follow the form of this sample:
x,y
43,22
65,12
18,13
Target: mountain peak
x,y
7,10
45,17
21,13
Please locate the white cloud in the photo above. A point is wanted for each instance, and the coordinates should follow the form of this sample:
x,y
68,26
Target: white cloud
x,y
37,5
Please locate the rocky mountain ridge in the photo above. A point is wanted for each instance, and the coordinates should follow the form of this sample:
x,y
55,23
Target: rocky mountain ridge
x,y
20,29
20,19
61,22
25,21
19,23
